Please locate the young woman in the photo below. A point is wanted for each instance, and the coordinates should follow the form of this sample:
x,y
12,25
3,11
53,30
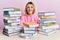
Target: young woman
x,y
29,15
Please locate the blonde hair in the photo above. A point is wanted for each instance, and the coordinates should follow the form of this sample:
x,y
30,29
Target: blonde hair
x,y
26,7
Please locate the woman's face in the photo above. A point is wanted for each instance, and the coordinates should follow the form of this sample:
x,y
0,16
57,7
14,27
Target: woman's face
x,y
30,9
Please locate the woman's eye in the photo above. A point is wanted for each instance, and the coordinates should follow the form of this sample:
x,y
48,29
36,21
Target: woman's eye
x,y
31,7
27,7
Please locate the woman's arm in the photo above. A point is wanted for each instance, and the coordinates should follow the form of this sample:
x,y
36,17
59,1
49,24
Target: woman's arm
x,y
22,21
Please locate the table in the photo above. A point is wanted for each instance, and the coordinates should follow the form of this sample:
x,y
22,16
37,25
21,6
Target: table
x,y
55,36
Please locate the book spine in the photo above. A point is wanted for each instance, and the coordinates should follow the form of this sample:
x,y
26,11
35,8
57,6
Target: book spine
x,y
47,17
50,27
32,32
47,34
46,13
32,28
48,21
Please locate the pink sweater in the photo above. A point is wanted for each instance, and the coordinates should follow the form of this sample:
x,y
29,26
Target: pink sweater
x,y
29,18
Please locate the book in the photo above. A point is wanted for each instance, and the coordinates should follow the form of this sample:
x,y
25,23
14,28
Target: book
x,y
47,30
12,13
8,30
47,33
24,35
13,27
50,27
11,34
11,24
11,18
47,24
43,20
30,24
47,17
28,32
30,28
11,9
11,21
46,13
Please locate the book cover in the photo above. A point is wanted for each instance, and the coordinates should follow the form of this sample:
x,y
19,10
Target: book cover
x,y
46,13
47,33
12,12
48,21
28,31
11,18
11,9
12,34
24,35
50,27
11,21
30,28
48,24
30,24
47,17
6,13
47,30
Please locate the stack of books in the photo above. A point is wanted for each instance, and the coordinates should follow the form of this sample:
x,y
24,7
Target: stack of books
x,y
29,29
47,23
11,21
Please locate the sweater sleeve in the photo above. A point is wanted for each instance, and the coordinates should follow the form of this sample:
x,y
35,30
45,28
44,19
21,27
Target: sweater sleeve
x,y
22,21
37,19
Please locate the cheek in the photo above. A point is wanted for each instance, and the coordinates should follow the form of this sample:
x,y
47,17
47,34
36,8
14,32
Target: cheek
x,y
30,10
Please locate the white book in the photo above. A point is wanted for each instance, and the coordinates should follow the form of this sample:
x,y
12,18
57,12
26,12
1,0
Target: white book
x,y
9,30
47,21
11,18
47,24
11,9
31,28
12,24
47,30
32,32
12,31
8,9
47,33
15,15
46,13
13,21
24,35
50,27
12,27
13,34
15,12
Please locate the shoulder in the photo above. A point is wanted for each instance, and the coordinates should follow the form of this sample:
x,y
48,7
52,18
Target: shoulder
x,y
35,15
24,16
